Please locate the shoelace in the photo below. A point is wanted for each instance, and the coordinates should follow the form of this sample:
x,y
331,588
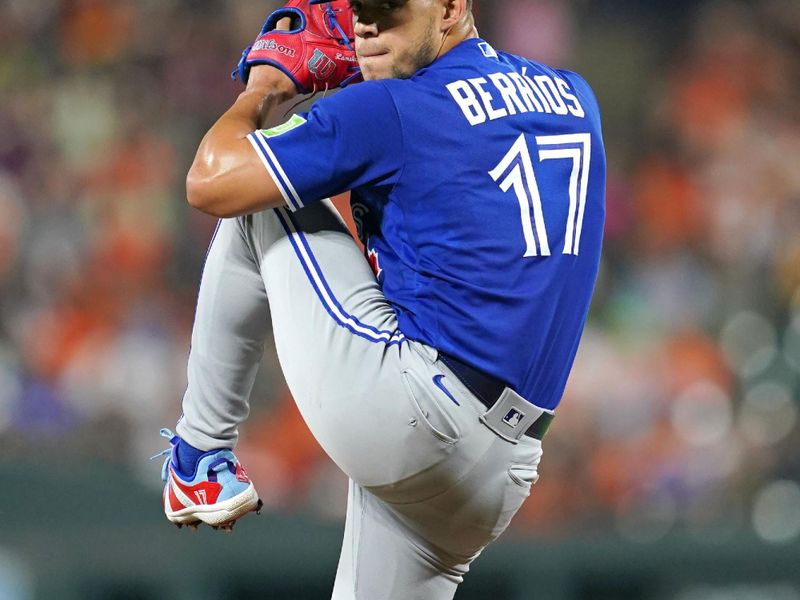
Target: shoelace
x,y
166,433
333,23
172,437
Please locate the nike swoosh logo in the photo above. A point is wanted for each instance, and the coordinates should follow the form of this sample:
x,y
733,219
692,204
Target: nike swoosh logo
x,y
437,381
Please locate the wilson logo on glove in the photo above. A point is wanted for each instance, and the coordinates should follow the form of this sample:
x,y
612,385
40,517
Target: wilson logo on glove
x,y
272,45
321,66
317,52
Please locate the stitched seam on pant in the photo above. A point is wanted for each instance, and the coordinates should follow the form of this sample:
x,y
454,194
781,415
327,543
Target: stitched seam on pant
x,y
425,548
357,538
331,304
455,483
434,554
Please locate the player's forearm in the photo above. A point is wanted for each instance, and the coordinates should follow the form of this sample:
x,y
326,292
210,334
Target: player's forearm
x,y
227,178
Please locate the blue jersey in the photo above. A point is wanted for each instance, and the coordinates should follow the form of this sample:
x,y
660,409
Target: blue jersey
x,y
479,189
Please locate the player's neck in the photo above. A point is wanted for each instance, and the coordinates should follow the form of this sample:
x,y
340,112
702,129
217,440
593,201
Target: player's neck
x,y
463,30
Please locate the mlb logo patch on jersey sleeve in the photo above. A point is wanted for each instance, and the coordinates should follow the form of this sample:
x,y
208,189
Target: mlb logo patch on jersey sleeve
x,y
487,50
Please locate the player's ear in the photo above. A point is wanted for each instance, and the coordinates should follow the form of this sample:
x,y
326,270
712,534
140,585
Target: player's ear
x,y
454,11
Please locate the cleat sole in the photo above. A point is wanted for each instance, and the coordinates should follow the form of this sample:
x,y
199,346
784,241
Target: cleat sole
x,y
221,514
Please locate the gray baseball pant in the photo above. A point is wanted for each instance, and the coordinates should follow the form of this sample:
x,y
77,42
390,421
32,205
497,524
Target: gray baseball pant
x,y
430,483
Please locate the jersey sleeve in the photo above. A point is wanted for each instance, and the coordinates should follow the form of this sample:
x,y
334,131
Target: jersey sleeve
x,y
350,140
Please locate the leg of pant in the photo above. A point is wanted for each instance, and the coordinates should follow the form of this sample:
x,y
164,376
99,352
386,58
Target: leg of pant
x,y
383,560
345,361
423,550
491,478
337,340
464,519
361,386
344,586
339,346
231,323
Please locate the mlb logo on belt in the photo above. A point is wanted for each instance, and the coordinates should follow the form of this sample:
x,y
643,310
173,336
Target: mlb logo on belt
x,y
513,417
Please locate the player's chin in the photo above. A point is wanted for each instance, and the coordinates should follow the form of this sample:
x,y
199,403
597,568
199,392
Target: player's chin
x,y
372,69
375,74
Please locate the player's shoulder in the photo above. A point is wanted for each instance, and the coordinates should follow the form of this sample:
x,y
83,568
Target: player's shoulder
x,y
362,103
542,68
365,95
534,68
384,97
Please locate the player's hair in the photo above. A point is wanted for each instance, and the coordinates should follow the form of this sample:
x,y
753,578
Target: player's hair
x,y
400,3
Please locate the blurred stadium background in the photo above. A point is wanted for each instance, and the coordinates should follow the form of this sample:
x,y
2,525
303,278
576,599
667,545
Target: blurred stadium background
x,y
673,469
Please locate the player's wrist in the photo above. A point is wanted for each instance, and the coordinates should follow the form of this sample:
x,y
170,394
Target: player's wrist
x,y
269,80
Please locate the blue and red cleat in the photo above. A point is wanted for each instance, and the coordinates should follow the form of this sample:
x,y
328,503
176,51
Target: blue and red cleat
x,y
217,493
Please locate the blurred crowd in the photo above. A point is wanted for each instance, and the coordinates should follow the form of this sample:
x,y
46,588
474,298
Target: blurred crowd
x,y
682,409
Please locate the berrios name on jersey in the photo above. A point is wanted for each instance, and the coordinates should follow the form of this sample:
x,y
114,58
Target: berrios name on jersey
x,y
499,95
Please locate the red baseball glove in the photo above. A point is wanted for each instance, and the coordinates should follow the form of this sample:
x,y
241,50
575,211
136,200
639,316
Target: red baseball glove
x,y
317,52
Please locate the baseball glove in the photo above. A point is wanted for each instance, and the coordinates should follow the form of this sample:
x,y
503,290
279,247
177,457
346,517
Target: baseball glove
x,y
317,52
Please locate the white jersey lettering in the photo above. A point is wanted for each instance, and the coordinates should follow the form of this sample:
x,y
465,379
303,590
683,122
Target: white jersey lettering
x,y
552,94
486,97
526,92
467,101
513,93
575,107
508,92
546,107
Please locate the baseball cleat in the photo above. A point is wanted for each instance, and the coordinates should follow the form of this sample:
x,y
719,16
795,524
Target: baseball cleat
x,y
225,527
218,492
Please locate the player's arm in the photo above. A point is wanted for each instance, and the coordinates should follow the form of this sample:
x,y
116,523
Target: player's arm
x,y
304,46
227,178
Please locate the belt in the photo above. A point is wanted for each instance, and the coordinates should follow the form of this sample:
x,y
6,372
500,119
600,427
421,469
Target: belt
x,y
487,389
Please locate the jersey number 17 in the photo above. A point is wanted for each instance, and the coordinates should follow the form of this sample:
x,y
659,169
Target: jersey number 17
x,y
516,170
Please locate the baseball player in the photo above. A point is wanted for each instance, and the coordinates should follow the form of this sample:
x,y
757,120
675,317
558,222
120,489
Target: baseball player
x,y
430,369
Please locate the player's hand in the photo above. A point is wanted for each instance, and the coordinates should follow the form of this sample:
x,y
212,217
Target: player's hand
x,y
311,43
266,76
